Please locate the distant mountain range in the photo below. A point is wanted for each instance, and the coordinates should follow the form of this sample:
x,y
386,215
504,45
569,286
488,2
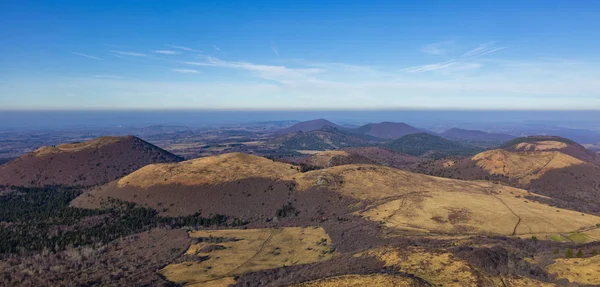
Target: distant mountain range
x,y
325,138
428,145
476,137
388,130
322,134
307,126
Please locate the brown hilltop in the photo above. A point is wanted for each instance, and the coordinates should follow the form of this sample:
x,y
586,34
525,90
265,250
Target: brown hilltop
x,y
255,188
347,224
388,130
233,184
552,143
362,155
552,166
307,126
94,162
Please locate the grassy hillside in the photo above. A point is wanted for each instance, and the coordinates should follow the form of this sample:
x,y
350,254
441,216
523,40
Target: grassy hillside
x,y
408,201
533,139
387,130
229,253
327,138
251,221
427,145
476,137
307,126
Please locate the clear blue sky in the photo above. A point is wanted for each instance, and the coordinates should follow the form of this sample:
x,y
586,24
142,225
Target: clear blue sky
x,y
299,54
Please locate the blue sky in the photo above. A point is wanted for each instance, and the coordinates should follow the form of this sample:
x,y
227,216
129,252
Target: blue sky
x,y
299,54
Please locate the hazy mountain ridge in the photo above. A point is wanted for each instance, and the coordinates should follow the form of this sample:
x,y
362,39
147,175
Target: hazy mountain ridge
x,y
424,144
387,130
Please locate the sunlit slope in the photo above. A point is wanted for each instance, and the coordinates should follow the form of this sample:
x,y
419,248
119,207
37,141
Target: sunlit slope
x,y
362,155
405,200
254,188
577,270
327,158
375,280
234,184
208,170
552,143
442,268
220,255
523,167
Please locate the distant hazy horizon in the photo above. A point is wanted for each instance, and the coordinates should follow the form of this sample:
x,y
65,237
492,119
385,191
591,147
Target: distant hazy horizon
x,y
196,118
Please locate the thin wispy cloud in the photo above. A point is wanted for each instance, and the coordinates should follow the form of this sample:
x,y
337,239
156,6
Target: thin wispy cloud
x,y
274,48
481,50
166,52
281,74
88,56
183,48
216,48
440,48
185,71
467,61
431,67
126,53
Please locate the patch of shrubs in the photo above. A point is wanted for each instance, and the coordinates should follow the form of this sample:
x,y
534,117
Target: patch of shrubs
x,y
37,219
287,210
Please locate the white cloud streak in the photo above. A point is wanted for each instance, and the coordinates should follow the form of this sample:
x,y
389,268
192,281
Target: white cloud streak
x,y
183,48
437,49
166,52
281,74
126,53
465,62
87,56
274,48
185,71
481,50
216,48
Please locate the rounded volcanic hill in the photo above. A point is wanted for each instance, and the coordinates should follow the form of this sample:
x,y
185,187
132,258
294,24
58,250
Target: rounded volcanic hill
x,y
547,165
388,130
326,138
89,163
307,126
403,200
233,184
361,155
428,145
259,190
551,143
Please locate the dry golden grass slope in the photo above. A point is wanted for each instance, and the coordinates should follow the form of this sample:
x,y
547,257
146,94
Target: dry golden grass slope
x,y
524,166
409,201
374,280
540,146
399,199
75,147
577,270
208,171
442,268
245,251
325,158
